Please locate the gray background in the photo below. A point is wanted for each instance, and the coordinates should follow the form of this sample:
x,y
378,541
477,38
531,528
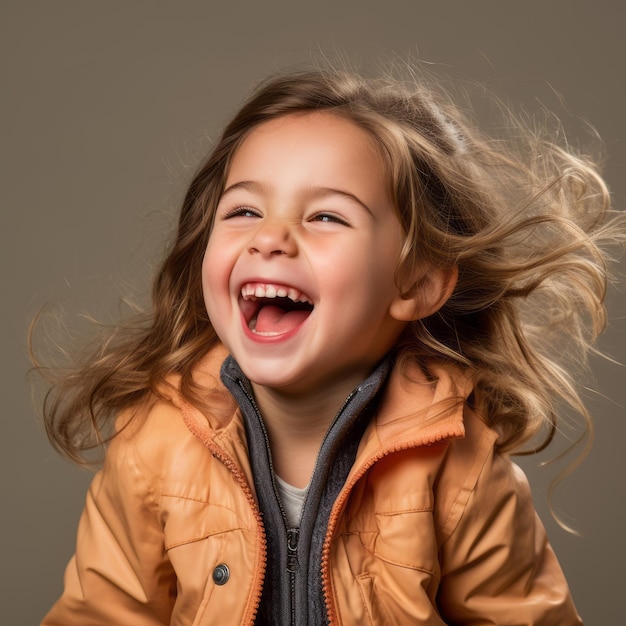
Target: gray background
x,y
106,109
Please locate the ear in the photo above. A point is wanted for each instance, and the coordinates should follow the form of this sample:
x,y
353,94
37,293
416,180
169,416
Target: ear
x,y
427,296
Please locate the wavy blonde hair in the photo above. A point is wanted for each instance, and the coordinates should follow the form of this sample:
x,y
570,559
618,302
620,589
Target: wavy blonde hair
x,y
524,220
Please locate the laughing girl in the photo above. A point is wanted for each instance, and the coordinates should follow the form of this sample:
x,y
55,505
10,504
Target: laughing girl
x,y
355,327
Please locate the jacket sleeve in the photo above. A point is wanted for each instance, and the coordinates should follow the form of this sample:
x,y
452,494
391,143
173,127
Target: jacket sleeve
x,y
497,566
120,573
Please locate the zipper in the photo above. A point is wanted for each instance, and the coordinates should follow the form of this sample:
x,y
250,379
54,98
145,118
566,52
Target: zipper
x,y
254,602
331,610
267,445
292,534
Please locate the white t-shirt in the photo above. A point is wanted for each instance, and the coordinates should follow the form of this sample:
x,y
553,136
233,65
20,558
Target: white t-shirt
x,y
292,499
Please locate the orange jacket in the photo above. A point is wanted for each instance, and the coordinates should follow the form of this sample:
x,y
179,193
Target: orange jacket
x,y
432,526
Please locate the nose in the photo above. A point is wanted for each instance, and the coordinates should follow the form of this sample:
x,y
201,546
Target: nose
x,y
272,238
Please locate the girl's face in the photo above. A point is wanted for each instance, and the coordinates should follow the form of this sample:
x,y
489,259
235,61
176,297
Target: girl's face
x,y
298,274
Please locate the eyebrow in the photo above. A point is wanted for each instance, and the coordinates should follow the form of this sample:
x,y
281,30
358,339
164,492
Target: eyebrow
x,y
313,193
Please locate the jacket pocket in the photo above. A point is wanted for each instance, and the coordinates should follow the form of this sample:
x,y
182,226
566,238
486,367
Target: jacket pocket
x,y
213,556
405,539
395,567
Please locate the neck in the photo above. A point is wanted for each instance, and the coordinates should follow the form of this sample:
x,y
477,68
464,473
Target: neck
x,y
296,425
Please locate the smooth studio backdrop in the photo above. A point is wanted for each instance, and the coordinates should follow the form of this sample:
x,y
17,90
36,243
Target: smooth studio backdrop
x,y
107,108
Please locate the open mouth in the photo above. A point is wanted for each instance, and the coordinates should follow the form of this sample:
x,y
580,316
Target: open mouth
x,y
271,310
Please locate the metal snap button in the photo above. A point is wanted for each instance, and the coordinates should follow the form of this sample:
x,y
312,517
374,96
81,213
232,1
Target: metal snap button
x,y
221,574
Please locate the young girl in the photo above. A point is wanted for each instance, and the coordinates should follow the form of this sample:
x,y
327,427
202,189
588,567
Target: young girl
x,y
355,326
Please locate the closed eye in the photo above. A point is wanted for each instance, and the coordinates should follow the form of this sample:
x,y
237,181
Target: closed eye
x,y
329,218
241,211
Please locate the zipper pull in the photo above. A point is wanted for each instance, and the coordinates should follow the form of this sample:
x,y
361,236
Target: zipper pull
x,y
293,534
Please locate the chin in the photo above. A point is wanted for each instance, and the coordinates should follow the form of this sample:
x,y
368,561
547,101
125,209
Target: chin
x,y
276,383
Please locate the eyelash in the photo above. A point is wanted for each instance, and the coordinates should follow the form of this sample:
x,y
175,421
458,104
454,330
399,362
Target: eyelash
x,y
241,211
245,211
328,218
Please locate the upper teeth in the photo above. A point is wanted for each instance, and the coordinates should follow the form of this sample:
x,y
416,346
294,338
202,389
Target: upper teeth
x,y
251,291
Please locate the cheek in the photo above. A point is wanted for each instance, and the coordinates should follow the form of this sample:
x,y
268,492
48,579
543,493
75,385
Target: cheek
x,y
366,266
215,264
207,265
212,282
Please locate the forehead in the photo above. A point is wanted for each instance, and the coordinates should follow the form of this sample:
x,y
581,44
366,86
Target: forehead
x,y
320,145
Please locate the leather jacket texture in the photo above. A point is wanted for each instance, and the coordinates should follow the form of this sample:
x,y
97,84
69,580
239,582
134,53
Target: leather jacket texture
x,y
429,525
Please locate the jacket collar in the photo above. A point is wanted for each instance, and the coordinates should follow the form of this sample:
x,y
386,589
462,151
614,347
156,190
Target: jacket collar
x,y
421,405
425,402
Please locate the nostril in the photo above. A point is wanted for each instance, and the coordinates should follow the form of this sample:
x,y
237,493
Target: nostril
x,y
275,252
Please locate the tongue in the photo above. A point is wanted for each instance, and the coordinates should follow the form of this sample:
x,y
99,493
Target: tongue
x,y
274,320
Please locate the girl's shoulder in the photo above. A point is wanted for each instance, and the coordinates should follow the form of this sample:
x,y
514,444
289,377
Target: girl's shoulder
x,y
476,475
160,435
